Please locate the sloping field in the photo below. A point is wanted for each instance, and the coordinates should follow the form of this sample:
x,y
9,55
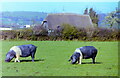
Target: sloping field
x,y
52,59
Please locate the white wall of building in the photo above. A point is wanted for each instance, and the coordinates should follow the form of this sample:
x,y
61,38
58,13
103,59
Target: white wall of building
x,y
5,28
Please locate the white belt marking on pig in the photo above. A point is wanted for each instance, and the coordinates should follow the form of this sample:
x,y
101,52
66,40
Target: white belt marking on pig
x,y
18,52
81,56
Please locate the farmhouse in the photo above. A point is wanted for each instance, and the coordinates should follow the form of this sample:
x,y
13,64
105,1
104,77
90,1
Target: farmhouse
x,y
53,21
14,27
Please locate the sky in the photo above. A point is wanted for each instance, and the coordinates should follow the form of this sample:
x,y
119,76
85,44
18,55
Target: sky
x,y
60,0
99,6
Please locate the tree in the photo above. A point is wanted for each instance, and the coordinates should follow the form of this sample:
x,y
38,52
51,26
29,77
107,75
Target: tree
x,y
119,6
93,15
112,19
86,11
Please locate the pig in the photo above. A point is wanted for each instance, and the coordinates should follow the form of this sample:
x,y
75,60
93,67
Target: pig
x,y
84,52
21,51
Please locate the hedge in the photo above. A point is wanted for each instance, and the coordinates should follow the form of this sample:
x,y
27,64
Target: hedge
x,y
68,32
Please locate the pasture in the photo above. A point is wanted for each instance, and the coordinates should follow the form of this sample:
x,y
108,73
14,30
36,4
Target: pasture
x,y
51,59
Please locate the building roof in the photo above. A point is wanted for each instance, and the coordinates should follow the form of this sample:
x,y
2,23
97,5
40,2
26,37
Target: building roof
x,y
54,20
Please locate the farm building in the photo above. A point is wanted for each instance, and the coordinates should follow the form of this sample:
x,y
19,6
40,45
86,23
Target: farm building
x,y
53,21
6,28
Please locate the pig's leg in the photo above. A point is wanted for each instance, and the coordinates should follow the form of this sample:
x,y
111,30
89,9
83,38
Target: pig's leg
x,y
17,58
32,56
93,60
80,60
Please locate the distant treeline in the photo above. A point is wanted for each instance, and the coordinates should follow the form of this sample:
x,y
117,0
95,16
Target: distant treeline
x,y
67,32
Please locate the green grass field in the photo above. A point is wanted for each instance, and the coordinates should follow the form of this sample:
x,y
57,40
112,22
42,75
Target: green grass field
x,y
52,59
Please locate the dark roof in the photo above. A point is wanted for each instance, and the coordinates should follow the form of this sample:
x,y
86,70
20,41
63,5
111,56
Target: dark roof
x,y
77,20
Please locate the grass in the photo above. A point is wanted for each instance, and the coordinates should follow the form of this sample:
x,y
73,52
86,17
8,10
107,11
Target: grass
x,y
52,59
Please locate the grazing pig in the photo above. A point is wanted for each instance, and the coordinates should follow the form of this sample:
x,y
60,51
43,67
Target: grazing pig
x,y
85,52
21,51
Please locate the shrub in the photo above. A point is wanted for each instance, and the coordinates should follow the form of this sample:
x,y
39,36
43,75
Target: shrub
x,y
82,35
40,31
104,34
6,35
69,32
25,34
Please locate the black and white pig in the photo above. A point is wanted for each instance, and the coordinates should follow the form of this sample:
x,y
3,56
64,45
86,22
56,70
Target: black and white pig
x,y
21,51
85,52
